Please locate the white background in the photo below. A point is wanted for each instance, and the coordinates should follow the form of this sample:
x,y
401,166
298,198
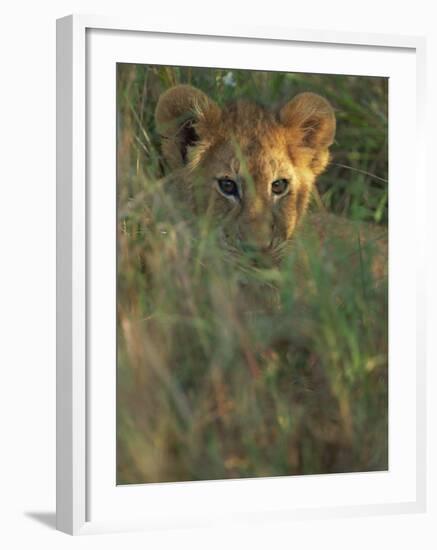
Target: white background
x,y
27,272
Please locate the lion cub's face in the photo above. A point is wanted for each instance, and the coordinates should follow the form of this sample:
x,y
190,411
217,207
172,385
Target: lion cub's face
x,y
249,169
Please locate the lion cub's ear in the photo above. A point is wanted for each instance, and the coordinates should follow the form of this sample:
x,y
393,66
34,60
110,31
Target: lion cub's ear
x,y
183,117
312,119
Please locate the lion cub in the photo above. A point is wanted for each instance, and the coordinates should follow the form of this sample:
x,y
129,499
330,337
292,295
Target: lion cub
x,y
250,170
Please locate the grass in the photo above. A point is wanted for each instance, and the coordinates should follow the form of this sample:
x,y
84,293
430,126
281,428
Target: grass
x,y
227,371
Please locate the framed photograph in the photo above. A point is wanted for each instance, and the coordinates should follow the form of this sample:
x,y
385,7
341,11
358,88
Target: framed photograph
x,y
240,275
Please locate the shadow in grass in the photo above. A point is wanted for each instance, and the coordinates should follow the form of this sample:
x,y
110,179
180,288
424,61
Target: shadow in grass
x,y
46,518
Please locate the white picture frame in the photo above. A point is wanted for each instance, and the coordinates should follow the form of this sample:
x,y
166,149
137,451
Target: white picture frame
x,y
83,395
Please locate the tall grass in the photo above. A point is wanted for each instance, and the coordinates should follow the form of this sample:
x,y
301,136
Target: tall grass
x,y
227,371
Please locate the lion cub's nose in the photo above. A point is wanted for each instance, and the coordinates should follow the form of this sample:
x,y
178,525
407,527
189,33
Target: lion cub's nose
x,y
255,238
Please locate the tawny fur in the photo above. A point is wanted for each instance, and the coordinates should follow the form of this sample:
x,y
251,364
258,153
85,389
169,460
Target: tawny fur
x,y
253,146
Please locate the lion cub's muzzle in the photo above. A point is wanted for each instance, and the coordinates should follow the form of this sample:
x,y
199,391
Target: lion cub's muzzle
x,y
255,241
255,236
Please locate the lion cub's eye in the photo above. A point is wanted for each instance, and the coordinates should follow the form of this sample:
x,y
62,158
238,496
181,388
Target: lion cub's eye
x,y
228,187
279,187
